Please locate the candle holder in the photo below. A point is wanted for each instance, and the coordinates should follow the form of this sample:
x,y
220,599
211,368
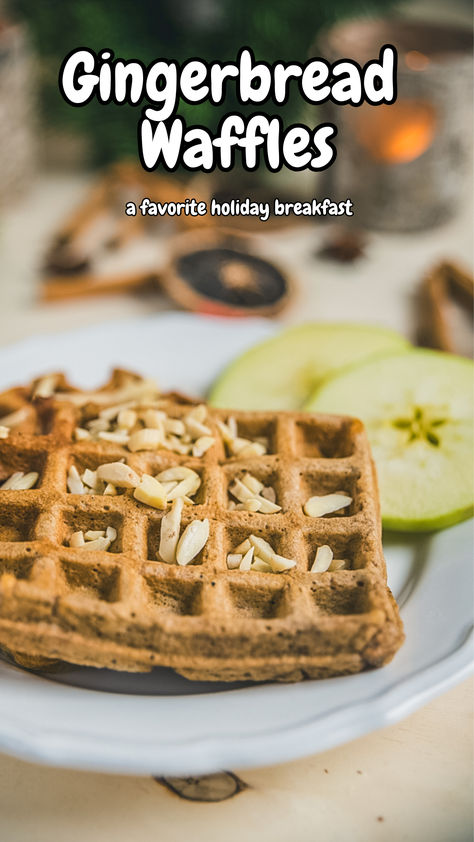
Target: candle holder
x,y
405,166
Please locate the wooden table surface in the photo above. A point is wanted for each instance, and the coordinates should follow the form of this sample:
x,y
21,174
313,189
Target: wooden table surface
x,y
412,781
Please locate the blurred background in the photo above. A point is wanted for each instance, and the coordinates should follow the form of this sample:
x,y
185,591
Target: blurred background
x,y
402,260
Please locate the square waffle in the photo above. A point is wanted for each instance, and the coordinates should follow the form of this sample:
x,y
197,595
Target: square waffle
x,y
126,610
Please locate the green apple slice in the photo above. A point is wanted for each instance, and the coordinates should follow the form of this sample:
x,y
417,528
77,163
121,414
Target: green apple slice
x,y
418,410
282,372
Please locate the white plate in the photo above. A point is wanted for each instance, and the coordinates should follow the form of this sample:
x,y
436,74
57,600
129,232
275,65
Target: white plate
x,y
162,724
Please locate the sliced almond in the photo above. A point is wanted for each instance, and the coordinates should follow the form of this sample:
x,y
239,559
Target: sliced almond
x,y
151,492
262,548
186,488
89,478
98,425
173,443
253,484
14,418
74,482
197,413
118,474
27,481
174,426
338,564
326,505
80,434
115,438
111,533
232,425
193,539
154,419
252,449
46,386
202,445
260,566
240,491
126,419
279,563
20,481
238,444
266,507
93,534
169,532
77,539
145,440
168,486
247,559
4,432
322,560
110,490
252,505
196,429
226,434
233,561
268,493
176,474
110,413
243,547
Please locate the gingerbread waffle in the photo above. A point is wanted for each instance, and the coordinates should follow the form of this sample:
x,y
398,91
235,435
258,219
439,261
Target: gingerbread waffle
x,y
126,610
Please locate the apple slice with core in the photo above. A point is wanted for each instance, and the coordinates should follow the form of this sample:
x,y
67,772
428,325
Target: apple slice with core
x,y
417,407
282,372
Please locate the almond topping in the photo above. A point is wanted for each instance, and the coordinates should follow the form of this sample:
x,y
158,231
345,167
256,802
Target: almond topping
x,y
14,418
151,492
322,560
93,534
192,541
145,440
338,564
260,566
74,482
126,419
46,386
233,561
169,532
326,505
80,434
89,478
202,445
252,505
253,484
115,438
174,426
118,474
279,563
243,547
20,481
77,539
247,559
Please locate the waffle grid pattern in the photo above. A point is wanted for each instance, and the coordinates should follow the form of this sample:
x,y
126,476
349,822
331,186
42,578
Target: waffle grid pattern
x,y
126,609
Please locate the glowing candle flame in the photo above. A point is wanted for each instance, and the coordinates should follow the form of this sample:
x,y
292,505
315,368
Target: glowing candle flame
x,y
398,133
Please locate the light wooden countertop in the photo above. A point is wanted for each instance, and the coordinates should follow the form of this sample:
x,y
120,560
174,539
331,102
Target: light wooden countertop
x,y
408,783
412,781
